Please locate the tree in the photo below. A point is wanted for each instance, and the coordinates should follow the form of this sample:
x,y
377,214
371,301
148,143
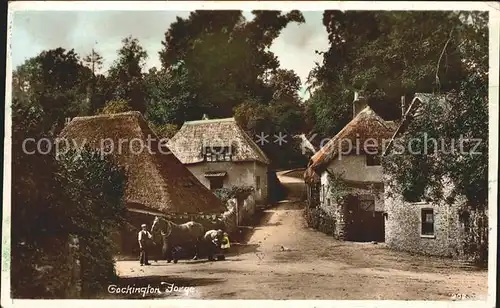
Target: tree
x,y
126,74
57,82
378,53
461,126
79,193
116,106
271,121
172,97
227,58
285,85
95,187
94,62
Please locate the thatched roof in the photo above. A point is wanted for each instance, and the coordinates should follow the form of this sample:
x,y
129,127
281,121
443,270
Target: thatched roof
x,y
366,125
156,179
193,136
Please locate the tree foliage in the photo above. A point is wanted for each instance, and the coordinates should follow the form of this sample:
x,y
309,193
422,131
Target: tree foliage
x,y
126,74
387,55
56,81
227,58
53,200
95,187
116,106
172,97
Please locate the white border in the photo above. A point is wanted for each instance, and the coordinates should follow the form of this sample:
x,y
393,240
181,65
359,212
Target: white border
x,y
493,8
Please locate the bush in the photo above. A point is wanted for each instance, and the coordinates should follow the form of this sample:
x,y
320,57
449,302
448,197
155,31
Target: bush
x,y
51,201
238,192
96,187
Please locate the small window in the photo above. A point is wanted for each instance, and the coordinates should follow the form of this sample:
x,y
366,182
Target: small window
x,y
427,222
216,183
218,153
257,182
328,202
372,160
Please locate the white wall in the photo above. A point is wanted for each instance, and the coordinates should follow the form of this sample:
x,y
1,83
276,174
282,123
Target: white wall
x,y
354,168
238,174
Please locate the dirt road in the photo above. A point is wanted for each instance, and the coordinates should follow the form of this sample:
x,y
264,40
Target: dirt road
x,y
311,265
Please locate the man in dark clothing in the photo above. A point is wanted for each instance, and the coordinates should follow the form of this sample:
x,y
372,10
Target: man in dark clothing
x,y
143,237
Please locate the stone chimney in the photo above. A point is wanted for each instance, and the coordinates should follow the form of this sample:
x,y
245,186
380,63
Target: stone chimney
x,y
358,104
66,121
205,117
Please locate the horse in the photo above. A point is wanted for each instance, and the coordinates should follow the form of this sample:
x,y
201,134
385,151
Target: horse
x,y
174,235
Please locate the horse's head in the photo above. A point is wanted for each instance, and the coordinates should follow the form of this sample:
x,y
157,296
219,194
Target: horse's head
x,y
160,227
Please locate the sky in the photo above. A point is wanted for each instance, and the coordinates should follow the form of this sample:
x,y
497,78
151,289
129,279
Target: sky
x,y
35,31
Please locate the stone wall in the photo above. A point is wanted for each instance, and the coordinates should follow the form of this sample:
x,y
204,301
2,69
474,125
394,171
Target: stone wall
x,y
403,227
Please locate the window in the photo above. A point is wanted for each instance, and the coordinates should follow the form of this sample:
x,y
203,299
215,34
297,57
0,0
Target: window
x,y
427,222
257,182
213,154
216,183
372,160
328,202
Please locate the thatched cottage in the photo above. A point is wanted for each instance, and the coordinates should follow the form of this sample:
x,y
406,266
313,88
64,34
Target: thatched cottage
x,y
157,182
221,154
345,178
421,226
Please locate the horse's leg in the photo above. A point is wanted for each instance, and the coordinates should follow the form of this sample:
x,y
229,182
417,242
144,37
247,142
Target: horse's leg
x,y
196,249
167,251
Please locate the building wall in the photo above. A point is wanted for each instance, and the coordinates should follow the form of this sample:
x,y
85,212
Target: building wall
x,y
238,174
403,226
354,168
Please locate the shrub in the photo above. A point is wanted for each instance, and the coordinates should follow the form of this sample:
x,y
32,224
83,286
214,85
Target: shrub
x,y
238,192
79,195
96,187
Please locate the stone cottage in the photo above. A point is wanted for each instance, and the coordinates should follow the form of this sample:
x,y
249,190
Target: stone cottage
x,y
421,226
157,182
219,153
349,166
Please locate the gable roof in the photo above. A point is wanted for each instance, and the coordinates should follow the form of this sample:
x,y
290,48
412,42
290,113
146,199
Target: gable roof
x,y
365,125
412,112
189,141
156,179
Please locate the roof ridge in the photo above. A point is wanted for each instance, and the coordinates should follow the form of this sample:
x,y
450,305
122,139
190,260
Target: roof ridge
x,y
210,121
110,115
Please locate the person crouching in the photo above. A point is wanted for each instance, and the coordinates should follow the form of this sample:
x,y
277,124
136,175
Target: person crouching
x,y
212,242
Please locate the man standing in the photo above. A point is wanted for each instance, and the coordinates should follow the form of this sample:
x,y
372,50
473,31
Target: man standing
x,y
143,237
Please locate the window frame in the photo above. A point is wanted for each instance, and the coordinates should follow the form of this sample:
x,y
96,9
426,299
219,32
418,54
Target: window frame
x,y
217,154
424,211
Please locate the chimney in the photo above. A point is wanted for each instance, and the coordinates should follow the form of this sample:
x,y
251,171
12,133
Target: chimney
x,y
66,121
358,104
403,107
205,117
